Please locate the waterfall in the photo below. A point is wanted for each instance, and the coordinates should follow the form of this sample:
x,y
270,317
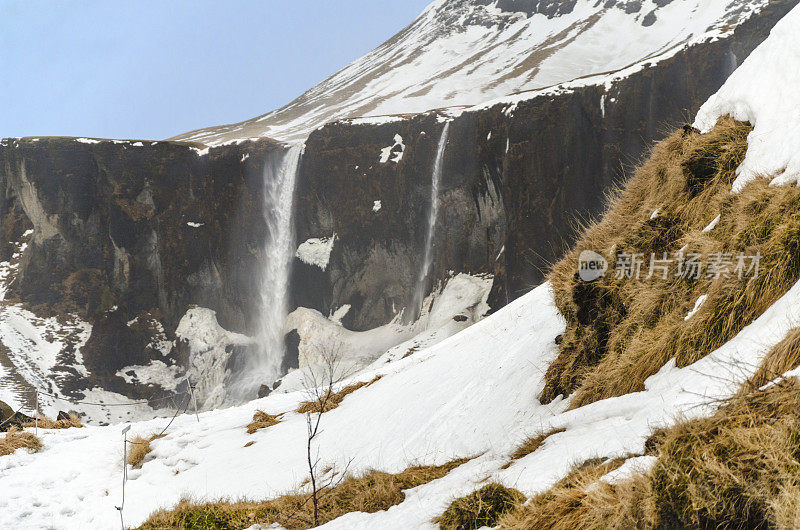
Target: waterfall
x,y
280,175
427,258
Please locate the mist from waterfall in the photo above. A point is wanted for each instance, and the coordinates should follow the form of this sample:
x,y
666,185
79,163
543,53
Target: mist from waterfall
x,y
280,176
433,213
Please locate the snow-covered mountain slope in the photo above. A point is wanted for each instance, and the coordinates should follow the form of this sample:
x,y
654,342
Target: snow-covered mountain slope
x,y
466,52
471,396
763,92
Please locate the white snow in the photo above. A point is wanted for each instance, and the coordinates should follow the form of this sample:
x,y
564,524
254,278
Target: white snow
x,y
472,395
698,304
316,251
465,54
195,225
463,296
398,148
154,373
637,464
376,206
713,224
762,91
209,353
340,313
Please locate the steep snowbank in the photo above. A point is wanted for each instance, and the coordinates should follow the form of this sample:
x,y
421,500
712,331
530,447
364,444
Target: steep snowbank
x,y
763,91
472,395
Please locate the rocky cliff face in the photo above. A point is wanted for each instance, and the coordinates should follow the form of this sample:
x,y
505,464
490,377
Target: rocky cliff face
x,y
130,235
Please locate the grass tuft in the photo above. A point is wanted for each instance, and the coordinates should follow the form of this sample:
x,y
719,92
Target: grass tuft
x,y
69,422
371,492
17,439
262,420
334,400
739,468
580,500
139,448
735,469
620,331
530,445
480,508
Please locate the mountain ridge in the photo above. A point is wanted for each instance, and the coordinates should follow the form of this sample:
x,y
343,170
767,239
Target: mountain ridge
x,y
463,53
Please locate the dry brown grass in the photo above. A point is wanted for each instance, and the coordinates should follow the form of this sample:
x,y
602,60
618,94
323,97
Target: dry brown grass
x,y
72,421
531,444
139,448
783,357
371,492
481,508
580,501
621,331
739,468
330,402
262,420
17,439
736,469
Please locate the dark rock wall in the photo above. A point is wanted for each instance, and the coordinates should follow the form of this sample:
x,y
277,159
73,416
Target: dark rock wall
x,y
112,239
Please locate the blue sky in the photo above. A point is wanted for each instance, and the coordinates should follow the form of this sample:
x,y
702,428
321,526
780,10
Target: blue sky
x,y
155,68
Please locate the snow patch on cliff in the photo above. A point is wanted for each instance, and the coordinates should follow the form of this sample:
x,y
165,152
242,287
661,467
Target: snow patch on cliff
x,y
394,152
763,91
155,373
316,251
447,311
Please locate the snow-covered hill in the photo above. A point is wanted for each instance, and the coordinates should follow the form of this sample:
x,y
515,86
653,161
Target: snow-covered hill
x,y
467,52
471,396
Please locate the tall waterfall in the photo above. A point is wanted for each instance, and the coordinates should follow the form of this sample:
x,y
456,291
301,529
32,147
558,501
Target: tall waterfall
x,y
427,258
280,176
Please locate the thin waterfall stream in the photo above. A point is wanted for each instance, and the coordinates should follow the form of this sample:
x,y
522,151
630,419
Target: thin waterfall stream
x,y
433,213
